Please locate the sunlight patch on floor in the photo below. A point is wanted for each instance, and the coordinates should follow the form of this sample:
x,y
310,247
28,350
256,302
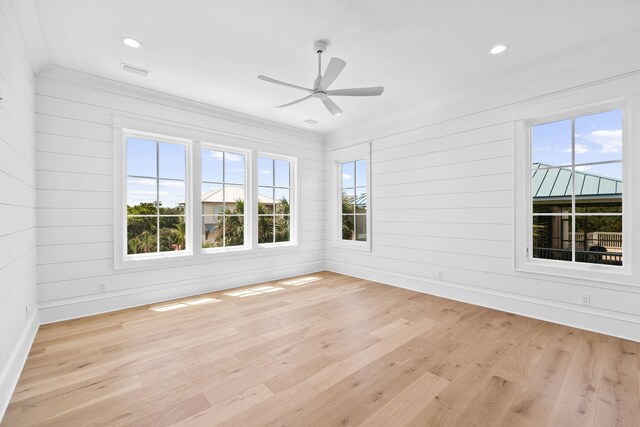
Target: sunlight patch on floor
x,y
300,281
183,304
253,291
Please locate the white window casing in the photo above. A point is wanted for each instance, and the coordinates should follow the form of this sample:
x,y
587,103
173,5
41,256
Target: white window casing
x,y
560,107
194,140
337,158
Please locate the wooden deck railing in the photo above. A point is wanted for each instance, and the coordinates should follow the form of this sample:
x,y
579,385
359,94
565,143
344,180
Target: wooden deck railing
x,y
594,257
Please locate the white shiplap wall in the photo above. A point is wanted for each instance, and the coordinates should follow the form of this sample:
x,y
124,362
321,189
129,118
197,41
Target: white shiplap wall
x,y
74,158
18,319
443,201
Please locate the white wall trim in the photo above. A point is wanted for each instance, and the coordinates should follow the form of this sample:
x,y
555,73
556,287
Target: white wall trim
x,y
72,308
12,370
617,324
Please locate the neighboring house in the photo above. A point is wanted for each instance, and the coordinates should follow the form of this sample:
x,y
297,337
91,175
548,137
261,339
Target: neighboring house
x,y
213,205
551,189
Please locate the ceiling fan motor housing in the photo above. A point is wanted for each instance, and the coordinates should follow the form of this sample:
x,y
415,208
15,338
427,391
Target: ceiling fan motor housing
x,y
320,46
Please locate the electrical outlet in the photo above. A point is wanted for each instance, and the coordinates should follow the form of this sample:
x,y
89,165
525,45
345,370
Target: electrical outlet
x,y
585,299
439,275
102,286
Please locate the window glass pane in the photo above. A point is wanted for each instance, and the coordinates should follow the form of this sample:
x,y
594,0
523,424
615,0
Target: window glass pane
x,y
282,201
599,137
552,237
282,173
172,160
599,239
212,229
282,226
553,182
142,194
265,171
142,235
211,197
234,230
172,233
265,200
551,143
361,173
211,165
234,168
348,174
172,197
348,200
361,228
552,206
265,229
234,199
348,225
141,157
599,179
361,200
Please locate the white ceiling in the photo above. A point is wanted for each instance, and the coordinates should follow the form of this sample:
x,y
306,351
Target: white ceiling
x,y
212,50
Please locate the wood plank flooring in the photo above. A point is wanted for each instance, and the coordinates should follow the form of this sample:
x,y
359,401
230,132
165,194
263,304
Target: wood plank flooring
x,y
324,349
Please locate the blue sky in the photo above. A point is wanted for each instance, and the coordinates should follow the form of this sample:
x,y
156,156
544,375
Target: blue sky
x,y
143,161
357,169
598,137
266,168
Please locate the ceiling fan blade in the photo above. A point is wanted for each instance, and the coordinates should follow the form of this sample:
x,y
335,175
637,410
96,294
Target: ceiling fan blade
x,y
361,91
331,106
278,82
333,71
294,102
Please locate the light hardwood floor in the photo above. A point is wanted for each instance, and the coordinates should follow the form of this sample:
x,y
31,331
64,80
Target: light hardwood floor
x,y
331,350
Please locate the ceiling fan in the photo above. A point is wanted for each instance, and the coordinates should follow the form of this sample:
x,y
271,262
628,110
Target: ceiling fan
x,y
322,83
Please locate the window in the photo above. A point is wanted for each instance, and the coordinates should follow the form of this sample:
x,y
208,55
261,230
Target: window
x,y
576,189
274,200
353,209
179,198
223,198
155,196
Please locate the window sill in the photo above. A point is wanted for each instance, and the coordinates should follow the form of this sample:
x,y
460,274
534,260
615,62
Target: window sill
x,y
152,259
589,272
205,255
290,245
224,250
353,245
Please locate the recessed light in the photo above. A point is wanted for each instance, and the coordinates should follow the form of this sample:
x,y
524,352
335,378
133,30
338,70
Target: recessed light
x,y
311,121
131,42
498,49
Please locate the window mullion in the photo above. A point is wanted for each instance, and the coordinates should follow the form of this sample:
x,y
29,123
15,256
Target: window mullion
x,y
194,172
157,197
573,190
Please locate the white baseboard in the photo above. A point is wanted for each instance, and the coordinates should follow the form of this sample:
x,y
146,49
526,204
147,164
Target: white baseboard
x,y
615,324
11,371
71,308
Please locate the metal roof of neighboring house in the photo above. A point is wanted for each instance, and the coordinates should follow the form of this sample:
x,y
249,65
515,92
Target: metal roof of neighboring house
x,y
232,193
547,181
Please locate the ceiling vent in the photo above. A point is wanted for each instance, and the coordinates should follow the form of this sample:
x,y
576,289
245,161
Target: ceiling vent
x,y
135,70
311,121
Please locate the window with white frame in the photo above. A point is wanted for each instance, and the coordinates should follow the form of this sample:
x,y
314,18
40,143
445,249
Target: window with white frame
x,y
576,189
172,190
353,200
274,200
156,201
223,179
